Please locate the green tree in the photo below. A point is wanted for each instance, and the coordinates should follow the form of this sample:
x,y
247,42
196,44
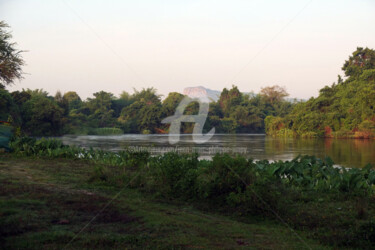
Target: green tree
x,y
11,61
101,114
360,60
123,101
42,116
170,104
274,93
148,95
73,100
229,99
8,107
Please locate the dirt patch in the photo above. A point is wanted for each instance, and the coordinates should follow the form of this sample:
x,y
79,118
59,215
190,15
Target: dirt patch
x,y
66,206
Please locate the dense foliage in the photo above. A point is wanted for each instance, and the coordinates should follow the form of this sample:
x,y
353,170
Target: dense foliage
x,y
334,204
39,114
344,109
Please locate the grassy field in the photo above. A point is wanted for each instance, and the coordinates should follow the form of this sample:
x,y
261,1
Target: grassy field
x,y
54,204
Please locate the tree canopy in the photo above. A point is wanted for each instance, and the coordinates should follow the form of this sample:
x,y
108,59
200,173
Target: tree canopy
x,y
343,109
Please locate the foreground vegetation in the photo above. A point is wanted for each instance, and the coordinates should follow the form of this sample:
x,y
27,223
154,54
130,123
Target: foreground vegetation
x,y
44,203
335,206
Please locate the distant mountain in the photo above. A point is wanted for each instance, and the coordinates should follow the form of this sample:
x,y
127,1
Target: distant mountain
x,y
205,95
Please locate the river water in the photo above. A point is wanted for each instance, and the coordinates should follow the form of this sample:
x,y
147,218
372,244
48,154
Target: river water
x,y
344,152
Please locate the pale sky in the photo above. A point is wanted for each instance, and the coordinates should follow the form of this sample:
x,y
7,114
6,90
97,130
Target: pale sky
x,y
87,46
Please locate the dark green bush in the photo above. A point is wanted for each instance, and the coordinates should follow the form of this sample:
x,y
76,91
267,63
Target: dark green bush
x,y
172,174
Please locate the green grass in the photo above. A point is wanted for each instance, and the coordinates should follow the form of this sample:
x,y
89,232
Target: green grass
x,y
44,203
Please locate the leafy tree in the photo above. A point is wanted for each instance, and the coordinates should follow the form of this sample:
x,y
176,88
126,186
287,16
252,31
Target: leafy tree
x,y
8,108
149,118
123,101
360,60
140,116
73,100
274,93
36,92
146,95
62,103
170,104
229,99
143,114
125,96
228,125
11,61
129,117
20,97
100,108
42,116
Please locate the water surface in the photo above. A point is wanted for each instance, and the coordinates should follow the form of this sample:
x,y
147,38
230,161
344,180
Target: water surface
x,y
345,152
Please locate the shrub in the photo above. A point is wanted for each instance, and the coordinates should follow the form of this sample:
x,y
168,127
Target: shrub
x,y
172,174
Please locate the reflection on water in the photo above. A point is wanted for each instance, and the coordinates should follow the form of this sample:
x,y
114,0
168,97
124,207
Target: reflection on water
x,y
345,152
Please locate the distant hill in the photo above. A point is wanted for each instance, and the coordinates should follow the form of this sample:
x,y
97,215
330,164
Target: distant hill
x,y
206,95
202,93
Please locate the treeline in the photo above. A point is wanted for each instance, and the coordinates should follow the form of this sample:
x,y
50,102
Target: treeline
x,y
37,113
346,109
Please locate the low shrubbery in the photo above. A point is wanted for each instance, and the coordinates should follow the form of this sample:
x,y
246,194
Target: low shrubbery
x,y
334,204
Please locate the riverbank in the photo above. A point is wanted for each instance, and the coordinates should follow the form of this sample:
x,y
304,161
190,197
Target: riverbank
x,y
327,134
335,206
345,152
45,203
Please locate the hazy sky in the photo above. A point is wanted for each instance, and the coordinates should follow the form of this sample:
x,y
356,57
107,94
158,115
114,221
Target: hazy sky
x,y
89,45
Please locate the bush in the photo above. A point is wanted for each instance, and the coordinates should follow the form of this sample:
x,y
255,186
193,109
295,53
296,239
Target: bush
x,y
172,174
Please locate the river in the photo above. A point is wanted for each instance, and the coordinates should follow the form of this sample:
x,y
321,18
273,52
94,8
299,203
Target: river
x,y
344,152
